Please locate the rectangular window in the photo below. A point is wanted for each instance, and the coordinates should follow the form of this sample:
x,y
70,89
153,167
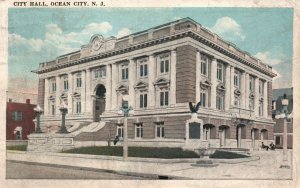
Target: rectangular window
x,y
261,108
100,73
66,85
16,116
251,84
78,82
237,79
203,98
251,104
120,131
53,86
78,107
237,101
53,109
143,68
143,101
164,64
220,72
277,140
139,131
220,101
204,65
124,72
160,130
261,88
164,98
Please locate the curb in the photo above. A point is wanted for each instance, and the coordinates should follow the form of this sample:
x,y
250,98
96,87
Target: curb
x,y
147,176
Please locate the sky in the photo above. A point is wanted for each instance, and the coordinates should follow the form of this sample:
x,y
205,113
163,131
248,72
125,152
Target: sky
x,y
40,35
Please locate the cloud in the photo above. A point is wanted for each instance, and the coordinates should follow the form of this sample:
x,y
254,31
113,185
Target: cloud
x,y
123,32
53,28
103,27
266,58
278,74
18,40
228,28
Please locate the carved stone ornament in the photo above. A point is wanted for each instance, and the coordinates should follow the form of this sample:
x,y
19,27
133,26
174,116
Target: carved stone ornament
x,y
237,92
205,84
97,42
221,87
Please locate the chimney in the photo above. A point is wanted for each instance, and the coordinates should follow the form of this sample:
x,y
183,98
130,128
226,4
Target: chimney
x,y
27,101
9,100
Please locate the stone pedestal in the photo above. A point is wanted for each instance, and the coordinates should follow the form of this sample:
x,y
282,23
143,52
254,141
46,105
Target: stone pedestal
x,y
194,133
49,142
205,161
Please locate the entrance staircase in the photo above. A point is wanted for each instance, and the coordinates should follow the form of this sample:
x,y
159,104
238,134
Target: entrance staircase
x,y
92,127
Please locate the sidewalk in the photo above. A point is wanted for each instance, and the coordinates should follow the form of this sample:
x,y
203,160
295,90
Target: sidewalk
x,y
262,165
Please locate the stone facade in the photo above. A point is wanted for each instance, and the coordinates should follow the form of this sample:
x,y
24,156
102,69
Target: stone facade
x,y
160,70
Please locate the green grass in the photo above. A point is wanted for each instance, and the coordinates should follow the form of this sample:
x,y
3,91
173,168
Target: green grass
x,y
227,155
17,147
143,152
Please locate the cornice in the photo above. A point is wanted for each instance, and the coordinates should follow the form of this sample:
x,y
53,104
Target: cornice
x,y
187,33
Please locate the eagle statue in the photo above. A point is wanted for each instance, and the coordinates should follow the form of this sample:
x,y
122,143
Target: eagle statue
x,y
194,108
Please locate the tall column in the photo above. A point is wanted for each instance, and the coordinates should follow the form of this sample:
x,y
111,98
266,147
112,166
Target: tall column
x,y
227,87
83,91
198,78
213,83
108,88
131,80
88,102
151,79
70,92
243,92
256,97
46,100
115,75
172,97
265,99
232,85
247,90
57,95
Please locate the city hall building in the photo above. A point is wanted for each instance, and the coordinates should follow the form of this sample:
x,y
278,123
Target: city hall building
x,y
159,71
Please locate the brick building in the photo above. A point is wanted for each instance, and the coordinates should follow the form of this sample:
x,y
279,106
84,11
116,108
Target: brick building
x,y
160,70
277,108
19,120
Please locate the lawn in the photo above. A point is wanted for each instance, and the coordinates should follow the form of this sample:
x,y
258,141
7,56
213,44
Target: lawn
x,y
144,152
151,152
17,147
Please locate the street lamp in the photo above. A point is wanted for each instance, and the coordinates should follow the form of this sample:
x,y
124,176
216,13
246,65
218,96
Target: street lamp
x,y
126,110
38,111
64,110
284,115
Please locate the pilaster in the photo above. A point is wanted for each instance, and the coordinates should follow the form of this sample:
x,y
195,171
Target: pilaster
x,y
213,83
115,75
198,78
265,100
173,79
108,87
88,102
227,87
131,80
47,90
232,85
57,95
70,92
83,91
151,79
256,97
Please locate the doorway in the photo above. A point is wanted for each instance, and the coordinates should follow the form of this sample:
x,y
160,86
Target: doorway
x,y
99,102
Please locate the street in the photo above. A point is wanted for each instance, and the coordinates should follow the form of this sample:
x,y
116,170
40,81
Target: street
x,y
24,170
